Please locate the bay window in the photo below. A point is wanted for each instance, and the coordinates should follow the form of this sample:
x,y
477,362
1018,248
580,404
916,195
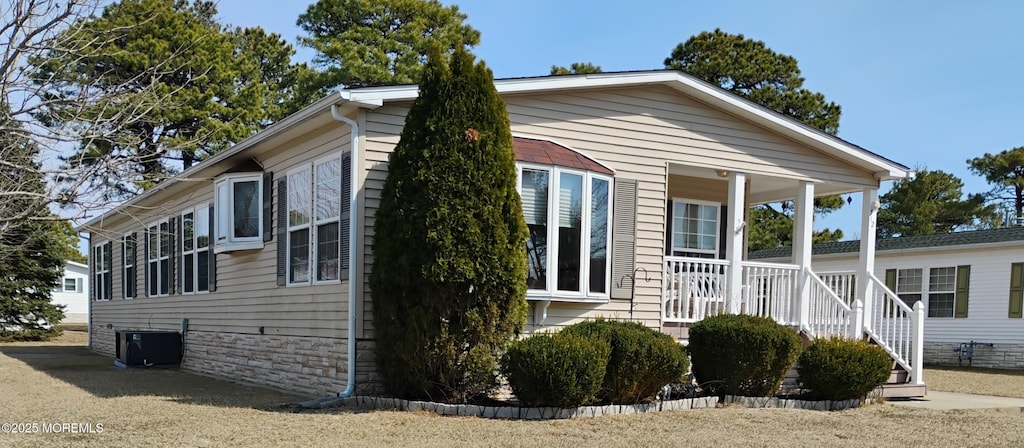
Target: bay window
x,y
239,201
567,214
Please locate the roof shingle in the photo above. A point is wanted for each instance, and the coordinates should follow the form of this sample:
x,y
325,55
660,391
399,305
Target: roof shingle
x,y
547,152
1003,235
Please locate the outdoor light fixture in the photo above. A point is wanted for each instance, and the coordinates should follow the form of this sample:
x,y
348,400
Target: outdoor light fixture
x,y
722,173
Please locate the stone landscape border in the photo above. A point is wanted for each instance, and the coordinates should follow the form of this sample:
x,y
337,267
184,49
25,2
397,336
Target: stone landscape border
x,y
552,413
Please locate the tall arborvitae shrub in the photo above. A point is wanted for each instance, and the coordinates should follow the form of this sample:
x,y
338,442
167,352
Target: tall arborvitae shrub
x,y
449,270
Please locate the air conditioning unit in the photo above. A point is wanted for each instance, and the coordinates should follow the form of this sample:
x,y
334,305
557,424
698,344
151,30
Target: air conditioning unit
x,y
147,348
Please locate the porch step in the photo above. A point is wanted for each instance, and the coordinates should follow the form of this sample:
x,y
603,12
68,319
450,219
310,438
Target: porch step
x,y
791,382
898,376
902,390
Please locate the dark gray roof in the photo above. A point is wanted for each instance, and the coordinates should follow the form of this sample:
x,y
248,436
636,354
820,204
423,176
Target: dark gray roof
x,y
1006,234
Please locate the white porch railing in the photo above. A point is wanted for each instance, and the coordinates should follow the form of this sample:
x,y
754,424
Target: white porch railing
x,y
843,283
829,314
694,288
769,290
897,328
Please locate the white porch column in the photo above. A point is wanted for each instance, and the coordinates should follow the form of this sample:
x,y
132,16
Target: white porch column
x,y
734,239
866,262
803,235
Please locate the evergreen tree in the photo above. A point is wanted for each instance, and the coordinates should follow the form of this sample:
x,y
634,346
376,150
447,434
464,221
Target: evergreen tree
x,y
195,86
380,42
32,250
1005,172
449,270
931,202
577,68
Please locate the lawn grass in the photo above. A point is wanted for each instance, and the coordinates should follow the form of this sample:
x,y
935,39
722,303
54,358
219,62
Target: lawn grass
x,y
55,383
975,380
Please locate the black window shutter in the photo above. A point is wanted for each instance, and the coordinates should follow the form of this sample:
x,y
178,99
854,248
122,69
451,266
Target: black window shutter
x,y
623,238
268,208
723,230
212,256
135,264
145,261
282,229
345,226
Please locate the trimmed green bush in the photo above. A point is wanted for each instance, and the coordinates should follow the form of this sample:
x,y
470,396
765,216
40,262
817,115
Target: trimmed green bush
x,y
449,270
841,369
642,360
556,370
741,354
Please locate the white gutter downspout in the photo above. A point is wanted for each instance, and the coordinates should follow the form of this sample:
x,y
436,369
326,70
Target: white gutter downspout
x,y
353,233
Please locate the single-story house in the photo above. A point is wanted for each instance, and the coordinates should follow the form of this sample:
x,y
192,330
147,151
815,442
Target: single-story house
x,y
72,293
260,254
969,283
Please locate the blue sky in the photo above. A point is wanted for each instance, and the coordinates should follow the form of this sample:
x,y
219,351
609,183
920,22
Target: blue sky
x,y
928,84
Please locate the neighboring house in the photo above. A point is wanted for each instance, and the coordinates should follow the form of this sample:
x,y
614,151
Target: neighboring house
x,y
970,285
256,251
72,293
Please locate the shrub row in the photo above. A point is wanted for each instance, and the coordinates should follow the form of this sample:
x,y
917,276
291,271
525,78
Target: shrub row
x,y
603,360
748,355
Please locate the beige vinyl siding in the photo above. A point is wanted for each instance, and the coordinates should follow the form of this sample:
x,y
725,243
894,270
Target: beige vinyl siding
x,y
652,125
637,132
698,188
247,295
986,319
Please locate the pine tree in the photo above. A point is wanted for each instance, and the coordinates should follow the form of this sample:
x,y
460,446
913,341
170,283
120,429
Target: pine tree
x,y
32,250
449,270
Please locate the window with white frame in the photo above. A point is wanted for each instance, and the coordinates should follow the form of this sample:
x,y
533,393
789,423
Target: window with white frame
x,y
909,285
314,229
195,250
72,284
158,257
128,273
239,201
940,288
101,271
568,214
695,228
941,291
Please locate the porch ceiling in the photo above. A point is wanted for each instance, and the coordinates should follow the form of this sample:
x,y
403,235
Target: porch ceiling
x,y
766,189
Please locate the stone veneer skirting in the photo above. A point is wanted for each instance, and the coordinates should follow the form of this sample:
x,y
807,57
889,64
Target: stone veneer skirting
x,y
999,356
311,365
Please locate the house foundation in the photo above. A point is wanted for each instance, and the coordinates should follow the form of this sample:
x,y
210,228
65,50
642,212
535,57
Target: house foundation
x,y
998,356
310,365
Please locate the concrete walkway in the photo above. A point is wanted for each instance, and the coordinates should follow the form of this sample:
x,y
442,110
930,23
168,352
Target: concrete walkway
x,y
949,400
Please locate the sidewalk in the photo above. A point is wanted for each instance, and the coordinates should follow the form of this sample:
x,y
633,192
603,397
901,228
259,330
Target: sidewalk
x,y
949,400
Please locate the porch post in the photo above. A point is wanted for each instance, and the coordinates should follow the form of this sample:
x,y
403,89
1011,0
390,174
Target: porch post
x,y
803,235
866,262
734,240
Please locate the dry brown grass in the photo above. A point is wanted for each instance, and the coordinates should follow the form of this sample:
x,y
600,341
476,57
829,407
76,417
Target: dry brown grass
x,y
172,408
1002,383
